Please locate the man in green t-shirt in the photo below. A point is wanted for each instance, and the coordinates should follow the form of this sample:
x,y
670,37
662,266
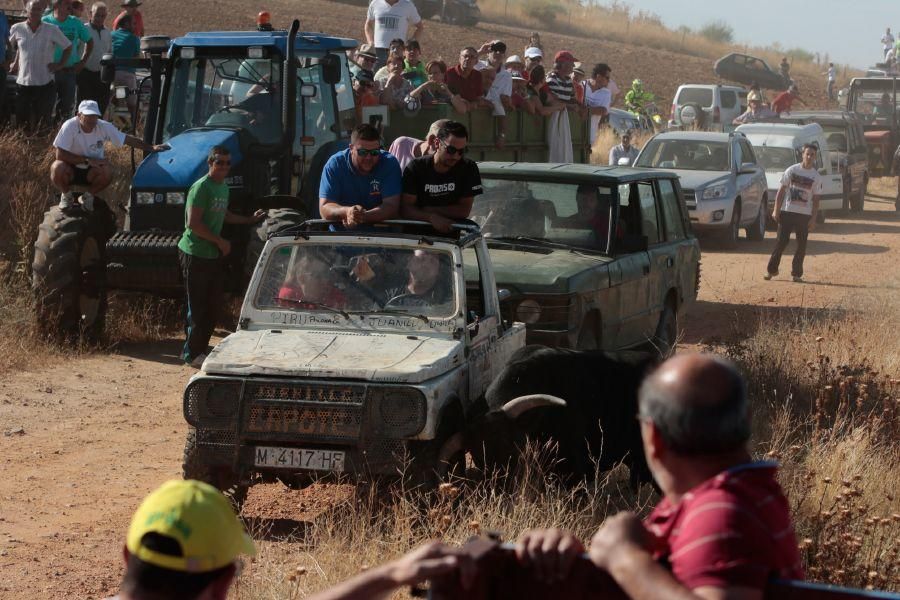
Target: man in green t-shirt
x,y
65,78
201,251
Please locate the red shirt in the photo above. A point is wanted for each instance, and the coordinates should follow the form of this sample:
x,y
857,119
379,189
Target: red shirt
x,y
731,530
470,88
782,102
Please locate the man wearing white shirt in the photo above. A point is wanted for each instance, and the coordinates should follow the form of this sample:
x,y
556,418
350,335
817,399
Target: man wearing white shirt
x,y
35,42
623,150
390,19
887,41
89,85
80,154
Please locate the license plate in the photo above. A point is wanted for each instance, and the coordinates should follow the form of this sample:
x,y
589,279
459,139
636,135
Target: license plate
x,y
299,458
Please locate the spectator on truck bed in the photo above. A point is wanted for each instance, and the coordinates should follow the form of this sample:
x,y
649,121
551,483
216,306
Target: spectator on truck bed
x,y
396,87
465,80
436,90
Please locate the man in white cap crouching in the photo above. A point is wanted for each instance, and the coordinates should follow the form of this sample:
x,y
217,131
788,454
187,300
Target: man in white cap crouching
x,y
80,146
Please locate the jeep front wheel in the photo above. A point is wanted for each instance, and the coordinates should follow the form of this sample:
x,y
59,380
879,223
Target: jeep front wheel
x,y
196,466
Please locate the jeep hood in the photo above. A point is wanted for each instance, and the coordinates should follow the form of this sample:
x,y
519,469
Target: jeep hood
x,y
369,356
185,161
540,272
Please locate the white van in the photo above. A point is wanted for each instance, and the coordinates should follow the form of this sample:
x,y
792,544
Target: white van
x,y
777,146
707,107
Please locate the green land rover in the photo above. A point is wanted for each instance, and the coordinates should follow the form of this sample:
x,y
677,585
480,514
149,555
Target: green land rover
x,y
591,256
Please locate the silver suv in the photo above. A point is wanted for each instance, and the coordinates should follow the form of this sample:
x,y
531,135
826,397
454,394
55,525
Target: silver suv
x,y
724,188
707,107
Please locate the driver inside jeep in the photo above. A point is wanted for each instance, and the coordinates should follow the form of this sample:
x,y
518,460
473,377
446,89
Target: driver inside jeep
x,y
428,283
310,284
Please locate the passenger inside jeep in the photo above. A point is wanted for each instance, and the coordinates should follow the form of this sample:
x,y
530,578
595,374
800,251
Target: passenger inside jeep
x,y
428,283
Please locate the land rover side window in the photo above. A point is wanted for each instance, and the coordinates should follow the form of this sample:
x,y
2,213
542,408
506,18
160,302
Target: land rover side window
x,y
329,279
728,99
649,217
535,212
673,220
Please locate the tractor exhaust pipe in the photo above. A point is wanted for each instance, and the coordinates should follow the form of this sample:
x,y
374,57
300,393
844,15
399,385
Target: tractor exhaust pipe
x,y
289,108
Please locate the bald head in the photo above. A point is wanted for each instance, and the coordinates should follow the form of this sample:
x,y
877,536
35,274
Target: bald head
x,y
698,403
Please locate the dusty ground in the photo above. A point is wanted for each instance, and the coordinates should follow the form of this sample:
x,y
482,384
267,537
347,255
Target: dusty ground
x,y
84,440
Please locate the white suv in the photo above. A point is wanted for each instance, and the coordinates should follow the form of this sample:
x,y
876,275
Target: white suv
x,y
707,107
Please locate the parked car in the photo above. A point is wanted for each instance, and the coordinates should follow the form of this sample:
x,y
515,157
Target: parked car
x,y
340,365
745,69
777,146
847,146
707,107
623,120
725,189
612,267
461,12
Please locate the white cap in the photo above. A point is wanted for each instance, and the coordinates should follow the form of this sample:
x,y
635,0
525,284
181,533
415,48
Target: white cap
x,y
89,107
514,59
533,52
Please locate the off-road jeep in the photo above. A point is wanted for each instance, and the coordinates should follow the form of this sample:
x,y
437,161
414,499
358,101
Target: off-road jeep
x,y
354,350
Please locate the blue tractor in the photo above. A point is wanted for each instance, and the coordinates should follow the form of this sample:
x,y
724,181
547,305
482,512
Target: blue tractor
x,y
281,101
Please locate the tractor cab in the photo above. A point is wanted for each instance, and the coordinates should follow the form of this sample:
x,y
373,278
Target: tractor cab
x,y
875,101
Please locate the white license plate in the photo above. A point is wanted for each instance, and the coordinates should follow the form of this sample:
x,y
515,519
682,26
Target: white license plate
x,y
299,458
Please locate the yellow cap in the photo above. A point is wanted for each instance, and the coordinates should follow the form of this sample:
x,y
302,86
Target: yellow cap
x,y
196,515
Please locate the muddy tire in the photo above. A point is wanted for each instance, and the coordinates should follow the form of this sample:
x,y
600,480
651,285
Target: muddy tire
x,y
69,272
858,201
757,230
666,337
219,476
729,237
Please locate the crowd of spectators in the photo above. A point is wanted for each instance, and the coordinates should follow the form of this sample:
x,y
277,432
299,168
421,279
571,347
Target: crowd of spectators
x,y
55,55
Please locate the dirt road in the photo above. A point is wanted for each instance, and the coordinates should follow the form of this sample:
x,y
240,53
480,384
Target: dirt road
x,y
83,440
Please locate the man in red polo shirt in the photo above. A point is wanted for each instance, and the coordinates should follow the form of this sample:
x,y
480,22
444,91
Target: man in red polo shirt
x,y
464,80
783,101
723,527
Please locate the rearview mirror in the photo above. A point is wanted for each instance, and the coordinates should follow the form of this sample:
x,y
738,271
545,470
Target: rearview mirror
x,y
747,168
331,69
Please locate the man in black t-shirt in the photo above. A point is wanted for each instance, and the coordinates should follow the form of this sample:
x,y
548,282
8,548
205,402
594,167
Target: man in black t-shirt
x,y
441,188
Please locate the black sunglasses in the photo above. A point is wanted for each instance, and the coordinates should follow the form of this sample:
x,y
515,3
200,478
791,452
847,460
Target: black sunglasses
x,y
453,150
363,152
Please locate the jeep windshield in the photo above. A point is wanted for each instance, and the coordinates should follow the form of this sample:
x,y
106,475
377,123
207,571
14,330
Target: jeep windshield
x,y
545,215
209,91
358,279
685,155
774,159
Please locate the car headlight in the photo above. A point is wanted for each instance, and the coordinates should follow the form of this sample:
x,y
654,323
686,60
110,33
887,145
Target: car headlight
x,y
144,197
528,311
175,198
715,192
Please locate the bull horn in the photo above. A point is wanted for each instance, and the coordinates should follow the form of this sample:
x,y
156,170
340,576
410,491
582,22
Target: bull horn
x,y
519,406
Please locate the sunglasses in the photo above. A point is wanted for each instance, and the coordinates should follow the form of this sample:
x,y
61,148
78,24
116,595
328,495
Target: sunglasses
x,y
221,163
362,152
453,150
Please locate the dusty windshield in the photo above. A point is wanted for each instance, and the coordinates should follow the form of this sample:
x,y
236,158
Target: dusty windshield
x,y
226,92
774,159
874,106
685,155
417,282
545,213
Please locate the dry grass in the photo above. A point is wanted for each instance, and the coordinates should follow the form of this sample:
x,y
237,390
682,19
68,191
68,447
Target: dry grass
x,y
825,398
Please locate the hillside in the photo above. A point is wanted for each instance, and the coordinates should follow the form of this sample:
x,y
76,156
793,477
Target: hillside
x,y
662,71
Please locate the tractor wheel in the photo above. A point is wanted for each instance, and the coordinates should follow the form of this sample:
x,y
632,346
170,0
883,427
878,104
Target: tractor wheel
x,y
69,272
278,220
219,476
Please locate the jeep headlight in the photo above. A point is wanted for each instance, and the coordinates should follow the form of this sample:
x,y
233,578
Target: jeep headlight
x,y
144,197
528,312
175,198
715,192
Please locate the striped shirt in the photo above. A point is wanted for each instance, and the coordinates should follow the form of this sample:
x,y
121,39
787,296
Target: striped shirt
x,y
561,87
731,530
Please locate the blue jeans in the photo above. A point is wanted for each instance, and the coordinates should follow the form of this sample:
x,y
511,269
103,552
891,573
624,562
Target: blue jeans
x,y
66,85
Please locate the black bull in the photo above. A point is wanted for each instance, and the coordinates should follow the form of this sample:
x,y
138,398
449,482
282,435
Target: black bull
x,y
597,427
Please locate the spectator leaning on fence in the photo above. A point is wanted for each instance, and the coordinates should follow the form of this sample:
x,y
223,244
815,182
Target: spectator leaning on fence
x,y
499,93
89,85
436,90
387,20
396,87
723,527
364,58
465,80
35,42
397,49
130,8
184,542
559,80
65,77
533,57
597,97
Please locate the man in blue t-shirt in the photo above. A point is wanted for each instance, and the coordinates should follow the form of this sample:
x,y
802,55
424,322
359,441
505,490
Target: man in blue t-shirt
x,y
361,184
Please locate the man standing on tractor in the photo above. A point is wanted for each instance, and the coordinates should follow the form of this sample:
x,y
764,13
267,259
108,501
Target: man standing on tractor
x,y
637,97
80,160
202,249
